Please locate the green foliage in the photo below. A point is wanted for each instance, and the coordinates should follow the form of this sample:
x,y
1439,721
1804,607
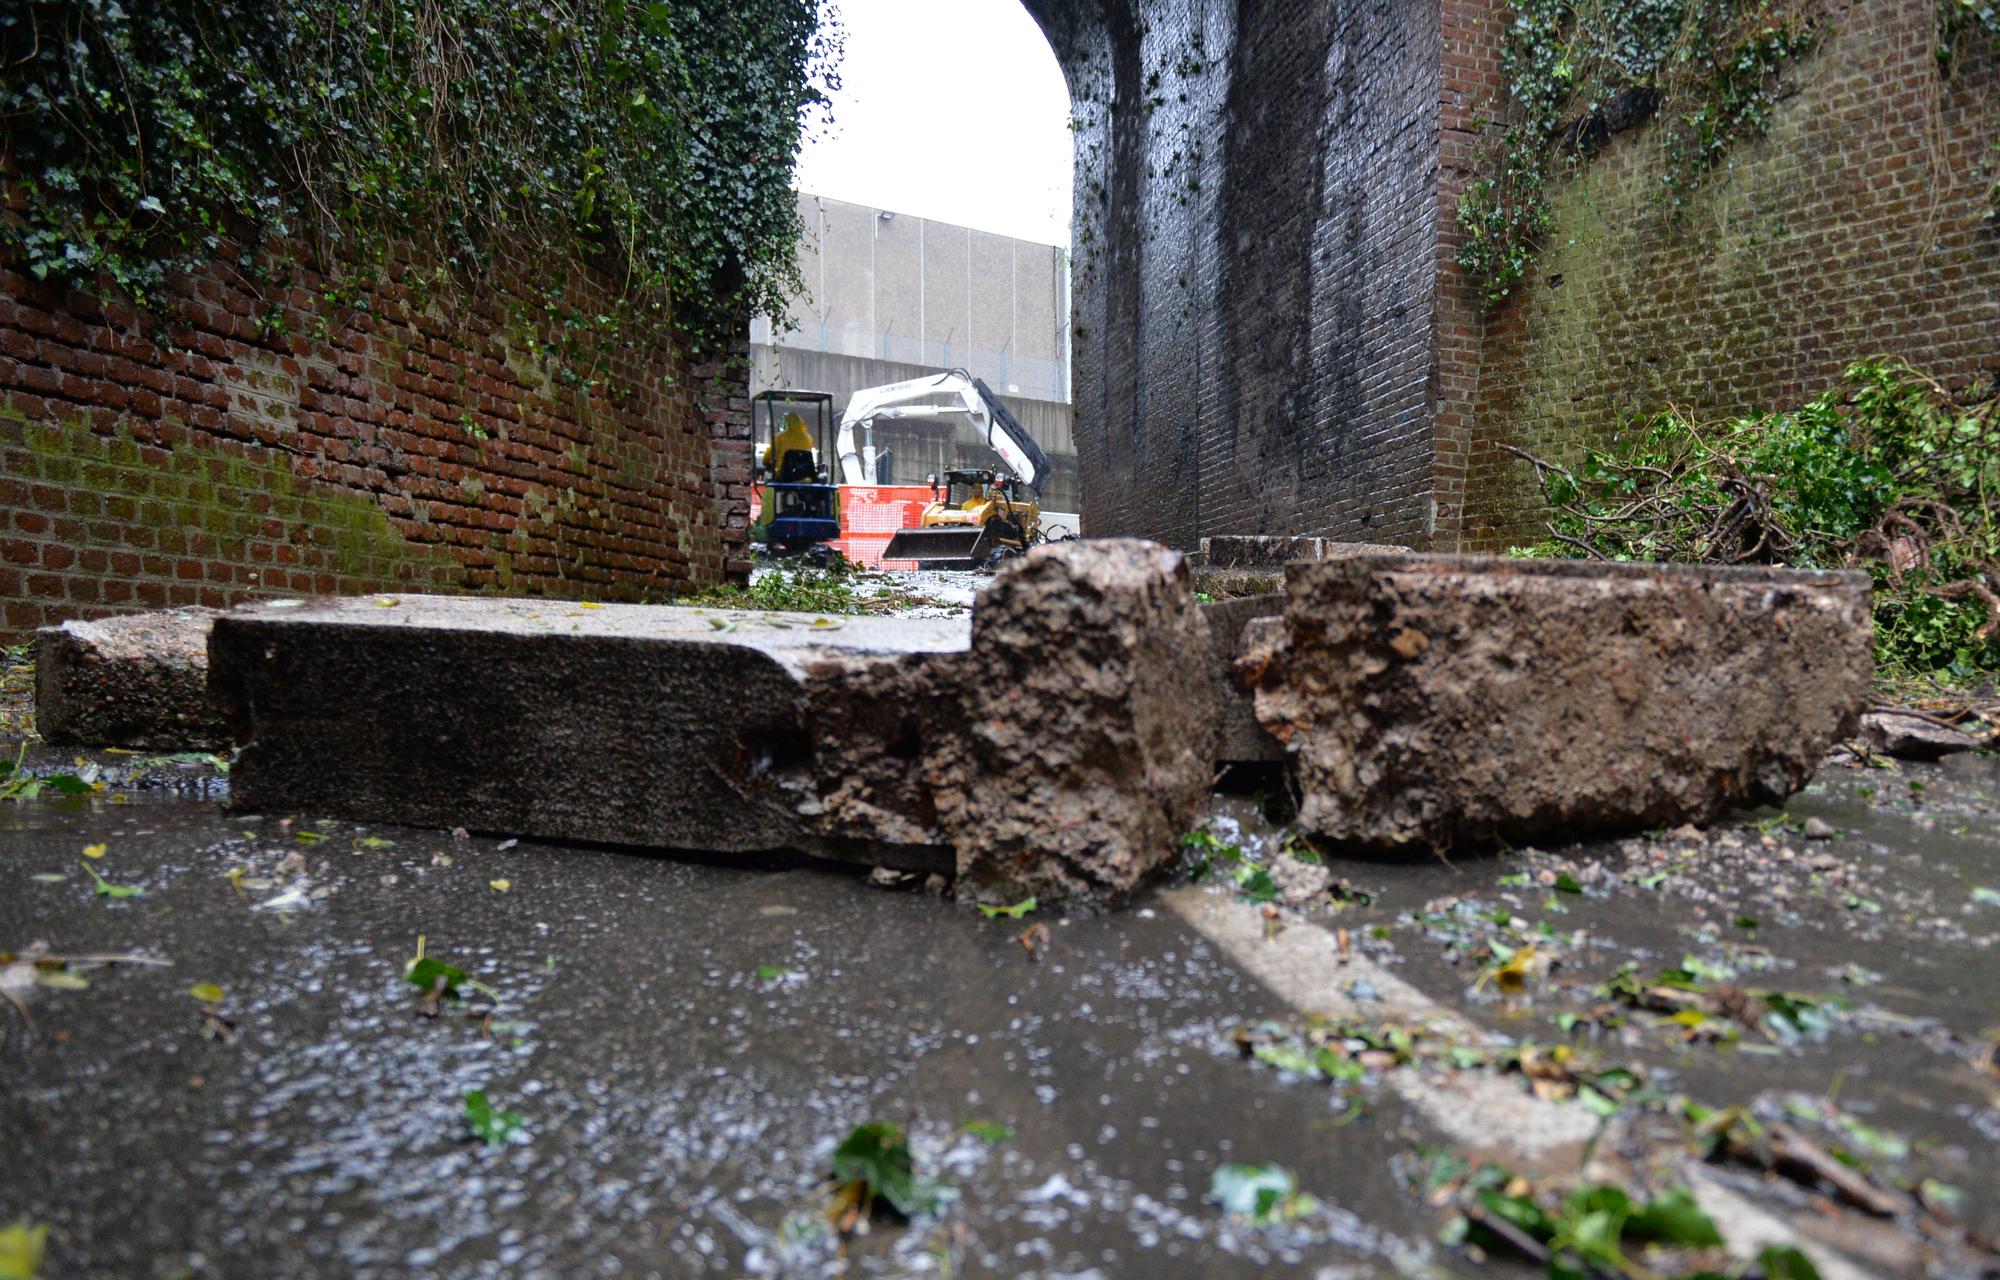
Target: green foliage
x,y
1956,18
874,1163
1015,912
494,1128
1887,472
1590,1231
1576,69
785,591
655,138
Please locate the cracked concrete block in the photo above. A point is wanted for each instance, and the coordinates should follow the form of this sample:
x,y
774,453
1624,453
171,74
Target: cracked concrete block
x,y
1053,744
1090,724
1267,551
138,681
1437,701
1239,738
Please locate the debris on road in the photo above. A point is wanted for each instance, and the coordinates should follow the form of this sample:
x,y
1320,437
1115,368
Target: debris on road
x,y
1913,735
1054,746
138,681
1550,696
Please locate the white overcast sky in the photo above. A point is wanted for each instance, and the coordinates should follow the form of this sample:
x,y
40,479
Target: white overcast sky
x,y
948,109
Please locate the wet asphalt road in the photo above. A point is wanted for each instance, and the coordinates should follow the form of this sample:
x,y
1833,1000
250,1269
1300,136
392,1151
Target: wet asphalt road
x,y
679,1108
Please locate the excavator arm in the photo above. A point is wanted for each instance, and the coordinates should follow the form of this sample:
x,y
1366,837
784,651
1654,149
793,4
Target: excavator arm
x,y
937,395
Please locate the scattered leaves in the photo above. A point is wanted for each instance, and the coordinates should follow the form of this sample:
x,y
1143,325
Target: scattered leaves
x,y
494,1128
1262,1193
105,889
1015,912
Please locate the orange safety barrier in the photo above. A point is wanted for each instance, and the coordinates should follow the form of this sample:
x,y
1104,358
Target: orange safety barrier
x,y
870,515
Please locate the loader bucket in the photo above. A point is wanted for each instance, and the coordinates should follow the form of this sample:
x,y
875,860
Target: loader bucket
x,y
942,546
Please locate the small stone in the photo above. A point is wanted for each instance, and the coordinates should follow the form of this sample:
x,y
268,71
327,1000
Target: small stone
x,y
1819,829
1909,737
1409,644
1300,882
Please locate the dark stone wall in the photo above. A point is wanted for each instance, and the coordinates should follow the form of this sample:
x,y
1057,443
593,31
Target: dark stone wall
x,y
1272,333
1256,263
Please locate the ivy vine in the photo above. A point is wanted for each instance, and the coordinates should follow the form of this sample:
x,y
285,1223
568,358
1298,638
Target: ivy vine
x,y
1956,19
1578,71
142,139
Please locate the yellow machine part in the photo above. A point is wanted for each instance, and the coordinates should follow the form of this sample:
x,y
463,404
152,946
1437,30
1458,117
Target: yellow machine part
x,y
964,533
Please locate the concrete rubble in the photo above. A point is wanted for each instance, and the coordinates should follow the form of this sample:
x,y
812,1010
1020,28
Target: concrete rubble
x,y
138,681
1913,736
1262,551
1056,745
1429,702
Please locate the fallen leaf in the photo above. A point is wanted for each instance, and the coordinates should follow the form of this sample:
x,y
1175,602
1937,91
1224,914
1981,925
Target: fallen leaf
x,y
1015,912
494,1128
106,890
21,1249
284,901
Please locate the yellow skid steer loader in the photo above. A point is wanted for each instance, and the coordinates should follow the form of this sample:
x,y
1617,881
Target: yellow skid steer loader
x,y
972,518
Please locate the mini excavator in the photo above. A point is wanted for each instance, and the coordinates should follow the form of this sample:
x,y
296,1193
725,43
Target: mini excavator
x,y
976,515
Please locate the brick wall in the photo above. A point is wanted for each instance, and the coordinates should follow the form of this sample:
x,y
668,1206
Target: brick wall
x,y
254,440
1859,226
1255,264
1272,333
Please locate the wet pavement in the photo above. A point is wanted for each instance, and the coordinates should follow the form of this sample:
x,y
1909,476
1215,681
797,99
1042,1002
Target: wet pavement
x,y
685,1043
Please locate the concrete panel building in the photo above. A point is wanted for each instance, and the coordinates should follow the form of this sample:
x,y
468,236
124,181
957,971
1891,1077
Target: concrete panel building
x,y
890,296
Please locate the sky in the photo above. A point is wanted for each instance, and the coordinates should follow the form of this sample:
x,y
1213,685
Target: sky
x,y
948,109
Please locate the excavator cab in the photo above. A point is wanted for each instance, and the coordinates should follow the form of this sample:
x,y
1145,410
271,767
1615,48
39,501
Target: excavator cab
x,y
797,509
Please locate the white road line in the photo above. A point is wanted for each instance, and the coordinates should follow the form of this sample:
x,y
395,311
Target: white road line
x,y
1485,1116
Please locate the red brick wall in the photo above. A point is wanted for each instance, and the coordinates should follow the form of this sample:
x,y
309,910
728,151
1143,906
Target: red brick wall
x,y
1859,226
254,440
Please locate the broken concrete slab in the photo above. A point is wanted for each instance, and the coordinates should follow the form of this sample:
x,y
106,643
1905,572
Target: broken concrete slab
x,y
1088,742
1053,744
1262,551
1439,701
1914,736
138,681
1239,739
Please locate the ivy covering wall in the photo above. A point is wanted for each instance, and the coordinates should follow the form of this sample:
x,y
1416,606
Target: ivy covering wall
x,y
144,138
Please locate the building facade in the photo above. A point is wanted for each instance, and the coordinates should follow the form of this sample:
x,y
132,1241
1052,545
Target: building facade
x,y
890,296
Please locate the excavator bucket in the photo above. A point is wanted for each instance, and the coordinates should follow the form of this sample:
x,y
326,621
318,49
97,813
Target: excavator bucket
x,y
943,546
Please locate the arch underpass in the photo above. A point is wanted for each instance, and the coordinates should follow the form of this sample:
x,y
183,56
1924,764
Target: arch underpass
x,y
1256,274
